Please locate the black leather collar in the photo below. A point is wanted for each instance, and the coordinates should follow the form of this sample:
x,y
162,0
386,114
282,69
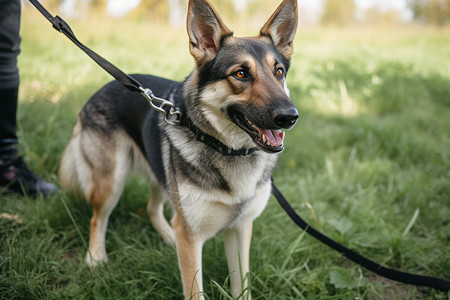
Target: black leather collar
x,y
213,142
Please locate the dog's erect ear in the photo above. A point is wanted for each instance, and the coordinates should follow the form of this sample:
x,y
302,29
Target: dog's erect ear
x,y
281,27
205,29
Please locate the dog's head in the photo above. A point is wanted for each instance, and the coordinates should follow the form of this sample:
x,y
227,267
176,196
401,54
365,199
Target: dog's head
x,y
242,81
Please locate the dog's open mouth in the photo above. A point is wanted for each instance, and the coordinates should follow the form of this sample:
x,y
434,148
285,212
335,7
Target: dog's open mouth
x,y
269,140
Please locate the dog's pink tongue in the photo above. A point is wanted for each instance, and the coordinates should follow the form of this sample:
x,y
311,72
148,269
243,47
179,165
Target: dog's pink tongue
x,y
274,137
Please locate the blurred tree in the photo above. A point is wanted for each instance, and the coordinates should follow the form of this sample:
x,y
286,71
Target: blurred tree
x,y
98,5
52,4
339,12
375,16
435,12
152,9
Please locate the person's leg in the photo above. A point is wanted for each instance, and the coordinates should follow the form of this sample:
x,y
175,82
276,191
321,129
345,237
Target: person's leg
x,y
14,174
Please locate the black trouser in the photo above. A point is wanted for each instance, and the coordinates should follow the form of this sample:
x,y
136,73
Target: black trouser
x,y
9,73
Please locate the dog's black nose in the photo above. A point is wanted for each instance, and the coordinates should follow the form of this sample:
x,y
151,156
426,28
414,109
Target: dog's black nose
x,y
285,118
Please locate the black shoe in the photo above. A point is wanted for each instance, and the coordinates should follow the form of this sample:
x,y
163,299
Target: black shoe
x,y
15,177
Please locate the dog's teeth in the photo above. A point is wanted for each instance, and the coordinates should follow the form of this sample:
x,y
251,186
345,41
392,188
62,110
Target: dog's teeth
x,y
264,138
248,121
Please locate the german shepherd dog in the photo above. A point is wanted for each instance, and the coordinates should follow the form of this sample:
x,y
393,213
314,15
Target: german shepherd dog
x,y
215,166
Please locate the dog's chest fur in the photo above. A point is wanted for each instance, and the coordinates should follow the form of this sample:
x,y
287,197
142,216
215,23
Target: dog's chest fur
x,y
215,191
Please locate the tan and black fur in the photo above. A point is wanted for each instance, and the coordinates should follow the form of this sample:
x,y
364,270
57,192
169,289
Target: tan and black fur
x,y
237,97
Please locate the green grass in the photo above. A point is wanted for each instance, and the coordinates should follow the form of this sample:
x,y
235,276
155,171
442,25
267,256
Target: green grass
x,y
368,164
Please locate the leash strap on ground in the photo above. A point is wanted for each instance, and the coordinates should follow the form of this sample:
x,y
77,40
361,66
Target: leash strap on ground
x,y
60,25
370,265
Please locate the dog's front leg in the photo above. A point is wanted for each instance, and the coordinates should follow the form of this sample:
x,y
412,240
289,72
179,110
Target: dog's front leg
x,y
237,250
189,248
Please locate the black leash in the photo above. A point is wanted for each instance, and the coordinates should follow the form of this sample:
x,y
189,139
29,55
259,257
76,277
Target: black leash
x,y
370,265
61,26
172,116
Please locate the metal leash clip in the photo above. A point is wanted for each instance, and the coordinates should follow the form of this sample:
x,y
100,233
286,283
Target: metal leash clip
x,y
171,115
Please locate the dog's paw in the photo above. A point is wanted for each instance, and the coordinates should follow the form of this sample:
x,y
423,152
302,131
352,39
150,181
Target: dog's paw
x,y
94,259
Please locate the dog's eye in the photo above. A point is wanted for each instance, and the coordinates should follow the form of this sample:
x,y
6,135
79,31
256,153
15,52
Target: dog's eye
x,y
279,72
240,74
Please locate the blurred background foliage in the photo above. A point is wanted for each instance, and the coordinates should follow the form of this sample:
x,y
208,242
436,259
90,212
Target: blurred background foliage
x,y
435,12
339,12
325,12
368,162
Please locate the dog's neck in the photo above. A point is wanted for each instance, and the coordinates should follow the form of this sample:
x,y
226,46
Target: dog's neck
x,y
214,143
